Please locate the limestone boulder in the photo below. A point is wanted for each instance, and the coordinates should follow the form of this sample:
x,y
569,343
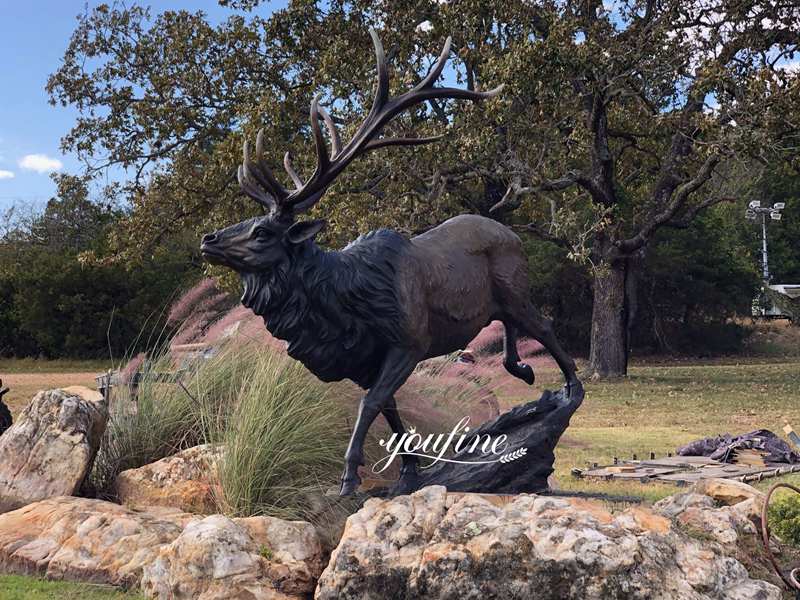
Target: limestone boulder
x,y
187,481
50,449
258,558
425,546
727,491
701,514
167,552
84,540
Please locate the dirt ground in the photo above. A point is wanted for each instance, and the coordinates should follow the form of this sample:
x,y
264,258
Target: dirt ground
x,y
26,377
25,385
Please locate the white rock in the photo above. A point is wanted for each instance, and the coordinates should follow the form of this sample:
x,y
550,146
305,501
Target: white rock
x,y
50,449
186,480
221,558
171,554
84,540
546,548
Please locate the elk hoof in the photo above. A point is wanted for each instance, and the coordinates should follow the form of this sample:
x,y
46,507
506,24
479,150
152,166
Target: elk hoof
x,y
526,373
349,485
522,371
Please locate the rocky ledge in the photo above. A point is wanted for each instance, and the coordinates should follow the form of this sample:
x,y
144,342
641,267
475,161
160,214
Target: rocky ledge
x,y
170,554
424,546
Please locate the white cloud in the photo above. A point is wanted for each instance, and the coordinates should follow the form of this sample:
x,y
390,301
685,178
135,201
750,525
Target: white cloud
x,y
6,174
41,163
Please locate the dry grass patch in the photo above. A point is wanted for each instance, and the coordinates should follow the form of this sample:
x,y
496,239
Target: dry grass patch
x,y
27,376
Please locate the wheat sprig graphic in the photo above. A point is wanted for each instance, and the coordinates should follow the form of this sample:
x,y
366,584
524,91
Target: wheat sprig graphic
x,y
518,453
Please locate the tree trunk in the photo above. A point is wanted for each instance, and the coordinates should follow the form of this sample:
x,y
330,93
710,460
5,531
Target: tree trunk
x,y
609,344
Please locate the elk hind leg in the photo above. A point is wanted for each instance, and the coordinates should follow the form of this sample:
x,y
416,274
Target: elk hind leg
x,y
511,281
539,328
511,360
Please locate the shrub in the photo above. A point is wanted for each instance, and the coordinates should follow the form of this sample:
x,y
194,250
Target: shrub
x,y
784,518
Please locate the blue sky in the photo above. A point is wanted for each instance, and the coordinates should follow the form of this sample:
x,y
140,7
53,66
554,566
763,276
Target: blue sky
x,y
33,36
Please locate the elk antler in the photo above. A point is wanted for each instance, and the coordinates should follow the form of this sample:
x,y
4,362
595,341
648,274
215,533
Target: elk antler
x,y
258,182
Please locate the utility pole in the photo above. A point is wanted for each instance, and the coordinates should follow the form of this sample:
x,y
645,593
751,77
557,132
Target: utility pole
x,y
764,257
754,209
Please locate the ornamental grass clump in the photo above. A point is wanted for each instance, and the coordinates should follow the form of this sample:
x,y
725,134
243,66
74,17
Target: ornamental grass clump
x,y
283,431
158,424
284,435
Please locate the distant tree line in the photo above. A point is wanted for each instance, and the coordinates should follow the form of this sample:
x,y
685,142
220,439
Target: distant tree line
x,y
57,301
626,143
53,304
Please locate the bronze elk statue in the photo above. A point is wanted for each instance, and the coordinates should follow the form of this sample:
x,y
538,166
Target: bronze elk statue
x,y
372,311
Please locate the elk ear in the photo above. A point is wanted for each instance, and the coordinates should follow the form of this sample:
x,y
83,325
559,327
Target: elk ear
x,y
304,230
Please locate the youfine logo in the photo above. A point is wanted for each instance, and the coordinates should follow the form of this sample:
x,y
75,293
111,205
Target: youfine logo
x,y
466,448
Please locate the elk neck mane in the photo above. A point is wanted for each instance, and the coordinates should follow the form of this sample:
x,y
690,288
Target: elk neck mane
x,y
339,311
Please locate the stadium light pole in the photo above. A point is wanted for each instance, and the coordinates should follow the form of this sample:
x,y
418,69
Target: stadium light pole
x,y
754,209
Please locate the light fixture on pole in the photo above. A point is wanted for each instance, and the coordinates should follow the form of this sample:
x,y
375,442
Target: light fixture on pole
x,y
753,210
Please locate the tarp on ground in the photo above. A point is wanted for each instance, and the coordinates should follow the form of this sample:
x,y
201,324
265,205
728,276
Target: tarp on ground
x,y
722,447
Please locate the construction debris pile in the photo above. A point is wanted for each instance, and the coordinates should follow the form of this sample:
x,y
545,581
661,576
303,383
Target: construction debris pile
x,y
749,457
756,448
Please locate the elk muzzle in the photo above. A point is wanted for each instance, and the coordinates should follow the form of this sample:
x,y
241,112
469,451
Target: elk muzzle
x,y
211,251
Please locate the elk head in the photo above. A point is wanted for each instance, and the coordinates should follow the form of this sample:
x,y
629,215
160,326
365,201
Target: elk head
x,y
262,243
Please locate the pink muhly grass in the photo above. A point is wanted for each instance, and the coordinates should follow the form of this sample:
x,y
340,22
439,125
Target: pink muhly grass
x,y
528,347
241,322
489,340
134,365
196,311
183,308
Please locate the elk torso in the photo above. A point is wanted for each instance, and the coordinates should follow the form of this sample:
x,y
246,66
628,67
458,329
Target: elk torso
x,y
341,311
458,275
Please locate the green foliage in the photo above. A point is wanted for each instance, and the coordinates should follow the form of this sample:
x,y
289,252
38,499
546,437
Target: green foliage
x,y
284,438
283,431
561,288
162,421
54,304
784,518
693,283
604,135
690,287
19,587
778,184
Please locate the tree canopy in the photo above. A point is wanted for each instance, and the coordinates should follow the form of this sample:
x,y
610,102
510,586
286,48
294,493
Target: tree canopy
x,y
620,123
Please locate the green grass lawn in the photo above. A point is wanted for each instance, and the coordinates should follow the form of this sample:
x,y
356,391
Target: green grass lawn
x,y
658,408
16,587
61,365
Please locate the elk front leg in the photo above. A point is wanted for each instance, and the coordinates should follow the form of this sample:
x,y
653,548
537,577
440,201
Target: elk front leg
x,y
408,472
397,366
